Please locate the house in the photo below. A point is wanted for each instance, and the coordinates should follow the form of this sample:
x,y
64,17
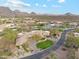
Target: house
x,y
78,26
76,34
42,22
52,24
23,37
2,27
20,34
39,32
73,24
56,23
11,25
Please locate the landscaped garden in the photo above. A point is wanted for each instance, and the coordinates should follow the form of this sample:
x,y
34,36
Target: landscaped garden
x,y
44,44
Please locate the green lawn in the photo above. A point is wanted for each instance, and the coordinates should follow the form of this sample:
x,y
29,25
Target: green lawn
x,y
44,44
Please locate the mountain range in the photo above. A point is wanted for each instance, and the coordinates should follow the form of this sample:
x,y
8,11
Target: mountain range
x,y
7,12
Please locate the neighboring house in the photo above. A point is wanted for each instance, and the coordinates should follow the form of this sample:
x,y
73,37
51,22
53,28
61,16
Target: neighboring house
x,y
73,24
20,34
11,25
2,19
29,21
2,27
76,34
56,23
39,32
1,30
28,18
42,22
52,24
78,26
49,25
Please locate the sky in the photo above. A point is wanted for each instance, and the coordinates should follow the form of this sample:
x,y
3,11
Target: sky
x,y
43,6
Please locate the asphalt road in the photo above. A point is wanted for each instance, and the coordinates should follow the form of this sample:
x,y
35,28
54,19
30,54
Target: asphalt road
x,y
41,54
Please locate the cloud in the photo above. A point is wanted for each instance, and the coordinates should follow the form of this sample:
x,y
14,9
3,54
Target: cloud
x,y
44,5
61,1
16,4
36,4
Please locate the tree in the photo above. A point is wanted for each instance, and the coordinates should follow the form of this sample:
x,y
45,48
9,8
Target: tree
x,y
9,34
77,30
7,42
72,42
54,32
36,37
25,46
66,25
